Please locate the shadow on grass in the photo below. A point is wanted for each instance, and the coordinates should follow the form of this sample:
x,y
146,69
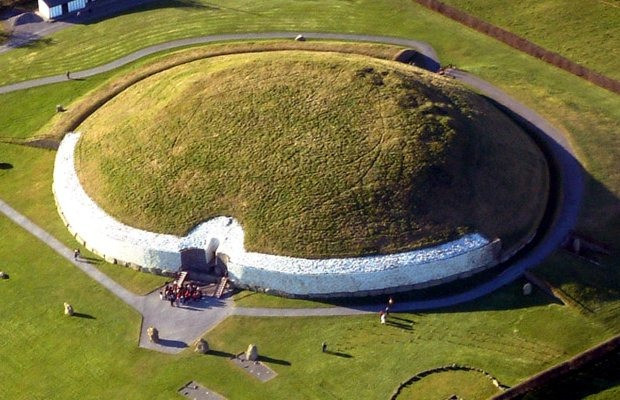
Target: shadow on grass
x,y
338,354
218,353
400,325
273,360
6,166
82,315
28,41
90,260
99,14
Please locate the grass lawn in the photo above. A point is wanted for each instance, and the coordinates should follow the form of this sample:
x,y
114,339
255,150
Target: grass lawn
x,y
465,384
27,188
506,334
502,334
583,31
247,298
357,155
47,355
586,113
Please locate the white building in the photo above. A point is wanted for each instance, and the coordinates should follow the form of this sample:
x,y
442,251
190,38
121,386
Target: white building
x,y
53,9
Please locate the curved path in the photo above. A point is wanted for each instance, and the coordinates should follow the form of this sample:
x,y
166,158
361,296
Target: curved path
x,y
180,326
422,47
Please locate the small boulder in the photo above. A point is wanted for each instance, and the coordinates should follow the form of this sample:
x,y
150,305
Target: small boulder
x,y
527,289
251,353
68,309
202,346
60,108
300,38
153,334
4,275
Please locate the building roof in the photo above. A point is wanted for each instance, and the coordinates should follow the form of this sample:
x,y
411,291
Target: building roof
x,y
52,3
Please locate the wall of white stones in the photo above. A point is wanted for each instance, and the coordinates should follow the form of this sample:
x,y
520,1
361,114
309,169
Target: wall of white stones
x,y
160,253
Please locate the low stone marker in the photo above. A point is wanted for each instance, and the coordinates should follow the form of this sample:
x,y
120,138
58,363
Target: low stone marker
x,y
4,275
251,354
195,391
254,367
202,346
68,309
300,38
153,334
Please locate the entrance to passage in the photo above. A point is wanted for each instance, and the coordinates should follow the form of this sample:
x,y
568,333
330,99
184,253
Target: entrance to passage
x,y
194,259
203,267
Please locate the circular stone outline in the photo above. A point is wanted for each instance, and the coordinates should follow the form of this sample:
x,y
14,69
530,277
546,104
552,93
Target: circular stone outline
x,y
475,252
223,236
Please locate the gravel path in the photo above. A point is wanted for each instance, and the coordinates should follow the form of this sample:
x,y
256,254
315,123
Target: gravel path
x,y
180,326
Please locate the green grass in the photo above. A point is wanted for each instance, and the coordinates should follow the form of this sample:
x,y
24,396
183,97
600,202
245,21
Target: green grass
x,y
47,355
465,384
97,43
585,112
27,188
350,156
30,109
81,362
247,298
582,31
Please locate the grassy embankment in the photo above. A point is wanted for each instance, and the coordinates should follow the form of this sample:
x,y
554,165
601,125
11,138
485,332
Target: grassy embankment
x,y
316,154
94,355
586,113
583,31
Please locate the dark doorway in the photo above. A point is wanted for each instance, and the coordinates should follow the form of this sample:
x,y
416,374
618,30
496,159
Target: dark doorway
x,y
219,264
194,259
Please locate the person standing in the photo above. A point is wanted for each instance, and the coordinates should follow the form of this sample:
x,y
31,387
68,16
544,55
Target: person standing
x,y
76,254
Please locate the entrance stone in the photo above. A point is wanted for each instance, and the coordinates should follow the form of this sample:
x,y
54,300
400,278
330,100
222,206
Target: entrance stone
x,y
251,353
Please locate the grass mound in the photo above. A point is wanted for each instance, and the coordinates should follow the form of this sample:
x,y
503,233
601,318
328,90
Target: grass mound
x,y
317,154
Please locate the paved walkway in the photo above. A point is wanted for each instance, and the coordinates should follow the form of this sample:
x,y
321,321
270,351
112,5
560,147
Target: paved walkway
x,y
421,47
179,327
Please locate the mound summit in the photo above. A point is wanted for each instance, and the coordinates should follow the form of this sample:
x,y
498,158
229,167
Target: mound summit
x,y
316,154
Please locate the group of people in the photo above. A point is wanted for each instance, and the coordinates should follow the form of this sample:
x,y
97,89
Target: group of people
x,y
178,295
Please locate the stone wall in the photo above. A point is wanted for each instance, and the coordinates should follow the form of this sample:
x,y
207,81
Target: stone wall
x,y
522,44
223,236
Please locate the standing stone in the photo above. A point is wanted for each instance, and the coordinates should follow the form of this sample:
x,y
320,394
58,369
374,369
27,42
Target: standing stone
x,y
251,353
153,334
576,246
202,346
527,289
68,309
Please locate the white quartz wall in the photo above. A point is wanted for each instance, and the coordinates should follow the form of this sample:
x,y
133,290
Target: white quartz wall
x,y
161,253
